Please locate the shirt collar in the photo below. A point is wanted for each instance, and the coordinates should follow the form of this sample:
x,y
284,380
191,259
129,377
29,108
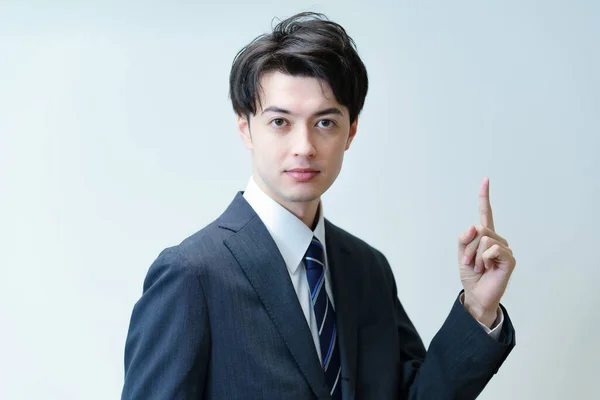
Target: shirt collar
x,y
290,234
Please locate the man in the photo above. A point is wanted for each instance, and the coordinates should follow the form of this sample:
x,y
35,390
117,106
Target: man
x,y
273,301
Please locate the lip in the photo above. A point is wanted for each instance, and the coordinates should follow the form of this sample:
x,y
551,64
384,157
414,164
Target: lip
x,y
302,174
302,170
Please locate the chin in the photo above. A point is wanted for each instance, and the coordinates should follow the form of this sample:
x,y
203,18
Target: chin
x,y
303,195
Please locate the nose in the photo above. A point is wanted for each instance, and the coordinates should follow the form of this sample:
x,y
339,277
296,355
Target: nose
x,y
303,142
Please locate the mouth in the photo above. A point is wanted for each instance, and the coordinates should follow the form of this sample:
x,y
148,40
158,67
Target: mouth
x,y
302,174
302,170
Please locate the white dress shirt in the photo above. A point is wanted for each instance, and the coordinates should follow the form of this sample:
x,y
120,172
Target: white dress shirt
x,y
292,238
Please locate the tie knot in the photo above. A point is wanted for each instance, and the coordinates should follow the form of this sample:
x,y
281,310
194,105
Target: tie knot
x,y
315,255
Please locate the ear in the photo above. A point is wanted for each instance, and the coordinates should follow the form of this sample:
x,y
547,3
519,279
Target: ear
x,y
353,129
243,124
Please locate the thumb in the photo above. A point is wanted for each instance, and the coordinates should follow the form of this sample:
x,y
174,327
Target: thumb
x,y
465,238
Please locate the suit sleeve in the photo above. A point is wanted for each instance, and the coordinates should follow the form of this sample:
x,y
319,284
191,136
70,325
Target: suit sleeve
x,y
461,358
167,346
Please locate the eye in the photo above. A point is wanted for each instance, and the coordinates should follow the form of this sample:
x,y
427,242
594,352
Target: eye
x,y
278,122
326,124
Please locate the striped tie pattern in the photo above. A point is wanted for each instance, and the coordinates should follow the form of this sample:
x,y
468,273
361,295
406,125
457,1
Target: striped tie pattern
x,y
325,316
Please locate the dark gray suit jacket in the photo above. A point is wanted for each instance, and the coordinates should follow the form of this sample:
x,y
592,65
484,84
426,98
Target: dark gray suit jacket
x,y
219,319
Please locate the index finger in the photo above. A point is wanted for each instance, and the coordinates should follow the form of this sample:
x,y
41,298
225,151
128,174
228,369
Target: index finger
x,y
485,208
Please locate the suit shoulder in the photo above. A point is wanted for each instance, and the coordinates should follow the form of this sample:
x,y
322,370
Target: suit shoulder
x,y
356,244
195,251
205,244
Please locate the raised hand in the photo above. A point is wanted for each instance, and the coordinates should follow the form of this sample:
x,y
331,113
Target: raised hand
x,y
485,263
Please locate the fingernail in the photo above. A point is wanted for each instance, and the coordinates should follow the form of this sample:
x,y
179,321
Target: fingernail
x,y
477,269
465,260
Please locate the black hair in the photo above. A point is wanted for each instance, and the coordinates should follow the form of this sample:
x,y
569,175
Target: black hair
x,y
306,44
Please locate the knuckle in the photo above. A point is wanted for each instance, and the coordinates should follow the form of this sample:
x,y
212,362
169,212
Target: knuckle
x,y
485,241
502,240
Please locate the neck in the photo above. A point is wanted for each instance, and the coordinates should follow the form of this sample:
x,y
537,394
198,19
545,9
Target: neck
x,y
305,211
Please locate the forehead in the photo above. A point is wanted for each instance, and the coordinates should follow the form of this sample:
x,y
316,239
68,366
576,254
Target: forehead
x,y
299,94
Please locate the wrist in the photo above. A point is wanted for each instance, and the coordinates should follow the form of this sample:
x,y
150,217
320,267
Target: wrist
x,y
485,315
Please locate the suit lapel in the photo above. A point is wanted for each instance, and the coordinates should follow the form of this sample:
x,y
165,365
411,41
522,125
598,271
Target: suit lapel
x,y
344,293
261,262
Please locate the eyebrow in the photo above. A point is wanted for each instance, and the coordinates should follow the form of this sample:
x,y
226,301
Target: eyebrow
x,y
326,111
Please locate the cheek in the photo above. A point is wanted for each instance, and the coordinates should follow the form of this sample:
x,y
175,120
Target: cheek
x,y
339,150
270,152
335,156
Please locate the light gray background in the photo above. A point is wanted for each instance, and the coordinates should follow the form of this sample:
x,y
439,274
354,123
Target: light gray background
x,y
118,139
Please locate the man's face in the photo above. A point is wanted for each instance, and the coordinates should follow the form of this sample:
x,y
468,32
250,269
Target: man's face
x,y
297,138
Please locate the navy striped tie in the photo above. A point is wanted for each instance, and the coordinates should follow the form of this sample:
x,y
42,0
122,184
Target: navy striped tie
x,y
325,316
